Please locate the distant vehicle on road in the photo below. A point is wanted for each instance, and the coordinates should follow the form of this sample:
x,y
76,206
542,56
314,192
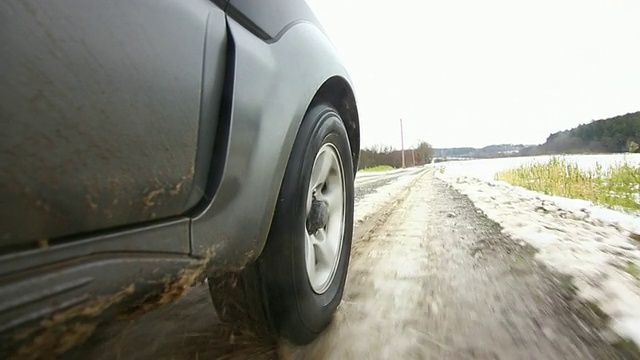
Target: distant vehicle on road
x,y
146,145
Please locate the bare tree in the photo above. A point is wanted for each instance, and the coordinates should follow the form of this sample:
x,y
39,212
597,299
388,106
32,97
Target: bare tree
x,y
424,153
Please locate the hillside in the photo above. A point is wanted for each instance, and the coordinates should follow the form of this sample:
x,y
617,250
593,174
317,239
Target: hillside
x,y
614,135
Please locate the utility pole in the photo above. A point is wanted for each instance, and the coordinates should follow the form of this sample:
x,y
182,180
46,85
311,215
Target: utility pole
x,y
402,141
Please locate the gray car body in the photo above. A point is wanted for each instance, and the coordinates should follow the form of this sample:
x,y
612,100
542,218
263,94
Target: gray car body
x,y
143,146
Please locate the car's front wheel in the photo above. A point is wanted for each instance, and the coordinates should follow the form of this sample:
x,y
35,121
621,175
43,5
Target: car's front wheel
x,y
296,284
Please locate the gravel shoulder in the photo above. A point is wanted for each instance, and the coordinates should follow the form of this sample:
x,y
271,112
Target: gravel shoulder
x,y
438,280
596,246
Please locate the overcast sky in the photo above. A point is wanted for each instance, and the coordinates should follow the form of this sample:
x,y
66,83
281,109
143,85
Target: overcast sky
x,y
475,73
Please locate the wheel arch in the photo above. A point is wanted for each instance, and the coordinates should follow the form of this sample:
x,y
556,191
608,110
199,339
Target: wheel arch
x,y
337,92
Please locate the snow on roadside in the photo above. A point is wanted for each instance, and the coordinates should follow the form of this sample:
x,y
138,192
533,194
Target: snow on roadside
x,y
590,243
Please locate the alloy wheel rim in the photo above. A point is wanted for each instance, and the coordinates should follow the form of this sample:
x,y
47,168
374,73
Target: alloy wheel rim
x,y
325,209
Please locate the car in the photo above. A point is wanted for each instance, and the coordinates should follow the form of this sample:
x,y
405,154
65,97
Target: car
x,y
148,145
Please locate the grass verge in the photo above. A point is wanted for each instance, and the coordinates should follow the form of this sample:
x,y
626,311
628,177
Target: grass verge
x,y
633,270
377,168
616,186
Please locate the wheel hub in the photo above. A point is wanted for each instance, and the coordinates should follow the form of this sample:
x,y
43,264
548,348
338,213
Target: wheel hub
x,y
318,216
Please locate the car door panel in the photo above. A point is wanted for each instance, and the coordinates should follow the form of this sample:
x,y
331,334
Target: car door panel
x,y
100,104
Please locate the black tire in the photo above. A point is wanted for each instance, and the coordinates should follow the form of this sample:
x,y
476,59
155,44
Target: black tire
x,y
275,293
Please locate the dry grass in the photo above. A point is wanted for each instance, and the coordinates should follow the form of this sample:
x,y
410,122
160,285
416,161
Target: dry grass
x,y
227,342
633,270
616,187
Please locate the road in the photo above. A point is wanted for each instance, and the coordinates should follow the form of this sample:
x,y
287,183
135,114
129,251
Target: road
x,y
430,278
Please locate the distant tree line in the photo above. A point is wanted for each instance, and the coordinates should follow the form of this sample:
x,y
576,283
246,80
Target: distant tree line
x,y
386,155
491,151
614,135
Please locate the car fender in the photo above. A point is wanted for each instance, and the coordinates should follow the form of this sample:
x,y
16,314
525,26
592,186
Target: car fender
x,y
273,84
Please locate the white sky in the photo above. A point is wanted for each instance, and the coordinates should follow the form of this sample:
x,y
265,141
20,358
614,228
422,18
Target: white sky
x,y
475,73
